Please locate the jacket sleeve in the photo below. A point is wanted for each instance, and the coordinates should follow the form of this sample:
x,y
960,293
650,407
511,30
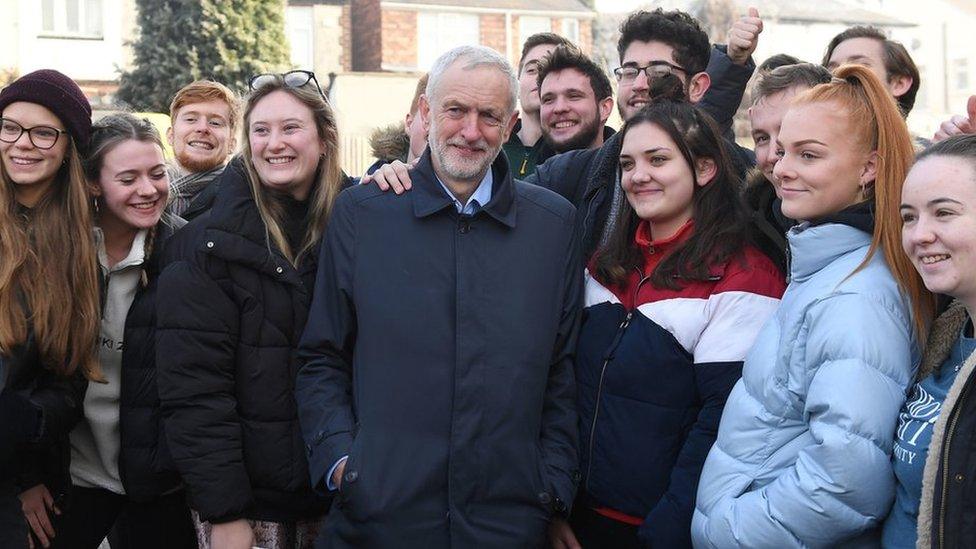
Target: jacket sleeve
x,y
560,430
565,174
859,355
736,312
323,390
729,80
197,329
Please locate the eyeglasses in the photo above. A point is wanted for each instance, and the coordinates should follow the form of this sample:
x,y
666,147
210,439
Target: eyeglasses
x,y
42,137
657,69
291,79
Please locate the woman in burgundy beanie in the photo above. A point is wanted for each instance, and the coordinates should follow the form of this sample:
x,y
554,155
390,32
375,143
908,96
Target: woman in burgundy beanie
x,y
49,297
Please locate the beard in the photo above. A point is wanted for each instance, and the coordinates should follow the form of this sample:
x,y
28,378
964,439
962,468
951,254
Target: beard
x,y
582,140
195,164
457,168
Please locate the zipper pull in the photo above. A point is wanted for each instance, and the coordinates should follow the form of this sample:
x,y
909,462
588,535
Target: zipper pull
x,y
522,169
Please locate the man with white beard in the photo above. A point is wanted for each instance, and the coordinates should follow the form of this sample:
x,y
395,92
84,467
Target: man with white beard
x,y
436,389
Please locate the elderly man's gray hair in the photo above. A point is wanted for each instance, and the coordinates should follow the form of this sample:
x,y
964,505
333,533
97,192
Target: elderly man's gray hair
x,y
472,57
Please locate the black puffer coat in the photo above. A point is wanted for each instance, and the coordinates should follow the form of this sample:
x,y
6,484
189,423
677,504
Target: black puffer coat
x,y
144,462
44,457
230,312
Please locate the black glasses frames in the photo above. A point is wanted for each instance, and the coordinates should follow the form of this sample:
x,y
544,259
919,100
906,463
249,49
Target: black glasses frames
x,y
42,137
292,79
655,69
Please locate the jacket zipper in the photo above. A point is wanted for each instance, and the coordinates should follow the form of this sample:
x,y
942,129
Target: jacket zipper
x,y
945,461
603,370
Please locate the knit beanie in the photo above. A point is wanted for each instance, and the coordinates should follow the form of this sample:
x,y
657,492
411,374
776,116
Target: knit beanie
x,y
60,95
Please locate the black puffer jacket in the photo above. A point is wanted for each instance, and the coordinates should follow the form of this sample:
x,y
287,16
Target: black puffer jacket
x,y
53,403
144,462
230,312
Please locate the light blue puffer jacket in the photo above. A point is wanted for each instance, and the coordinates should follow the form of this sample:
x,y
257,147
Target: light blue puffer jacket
x,y
802,457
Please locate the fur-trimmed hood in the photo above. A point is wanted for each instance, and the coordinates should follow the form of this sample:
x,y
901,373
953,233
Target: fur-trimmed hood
x,y
390,143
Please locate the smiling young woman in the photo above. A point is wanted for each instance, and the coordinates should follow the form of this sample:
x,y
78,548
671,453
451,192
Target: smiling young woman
x,y
234,296
49,306
936,426
673,302
803,452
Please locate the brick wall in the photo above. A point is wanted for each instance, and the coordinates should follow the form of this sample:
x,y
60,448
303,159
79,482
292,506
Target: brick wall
x,y
493,32
366,22
399,37
345,38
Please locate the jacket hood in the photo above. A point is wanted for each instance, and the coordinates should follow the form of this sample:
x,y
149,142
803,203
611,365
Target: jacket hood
x,y
390,143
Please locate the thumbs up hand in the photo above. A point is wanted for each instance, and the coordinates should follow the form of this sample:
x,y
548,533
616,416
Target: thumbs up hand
x,y
958,124
744,37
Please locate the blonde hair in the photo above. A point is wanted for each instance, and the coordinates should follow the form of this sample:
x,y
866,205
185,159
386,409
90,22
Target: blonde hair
x,y
49,272
329,176
875,119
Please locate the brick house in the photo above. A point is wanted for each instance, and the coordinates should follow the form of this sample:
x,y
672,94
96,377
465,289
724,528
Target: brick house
x,y
412,33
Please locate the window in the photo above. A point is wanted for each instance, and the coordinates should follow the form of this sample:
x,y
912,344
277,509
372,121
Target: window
x,y
571,30
299,28
439,32
81,18
960,67
529,25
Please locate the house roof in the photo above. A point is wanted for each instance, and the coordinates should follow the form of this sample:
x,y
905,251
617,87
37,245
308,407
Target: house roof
x,y
822,11
563,6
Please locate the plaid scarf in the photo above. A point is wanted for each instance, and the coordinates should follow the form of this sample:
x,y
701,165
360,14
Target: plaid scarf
x,y
184,189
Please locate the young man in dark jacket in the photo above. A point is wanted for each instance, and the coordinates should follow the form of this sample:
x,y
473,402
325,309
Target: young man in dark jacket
x,y
436,392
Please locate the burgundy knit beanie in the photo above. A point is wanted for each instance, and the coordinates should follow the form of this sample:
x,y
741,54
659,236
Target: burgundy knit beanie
x,y
58,93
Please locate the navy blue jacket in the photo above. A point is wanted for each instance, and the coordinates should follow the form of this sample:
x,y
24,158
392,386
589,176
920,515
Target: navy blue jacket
x,y
438,356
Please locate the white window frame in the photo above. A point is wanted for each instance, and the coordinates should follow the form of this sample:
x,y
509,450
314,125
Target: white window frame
x,y
300,27
532,24
90,19
438,32
570,30
960,74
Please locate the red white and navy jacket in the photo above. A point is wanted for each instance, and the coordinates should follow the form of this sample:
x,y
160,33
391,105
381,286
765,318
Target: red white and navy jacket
x,y
654,367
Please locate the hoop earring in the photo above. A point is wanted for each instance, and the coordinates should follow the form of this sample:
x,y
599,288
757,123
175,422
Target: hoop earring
x,y
864,194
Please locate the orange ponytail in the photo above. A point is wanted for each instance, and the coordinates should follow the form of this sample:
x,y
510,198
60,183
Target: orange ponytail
x,y
874,116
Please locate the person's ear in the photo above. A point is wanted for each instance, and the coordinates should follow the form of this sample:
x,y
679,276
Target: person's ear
x,y
870,170
705,171
94,189
424,110
606,107
510,125
169,135
698,86
899,85
407,120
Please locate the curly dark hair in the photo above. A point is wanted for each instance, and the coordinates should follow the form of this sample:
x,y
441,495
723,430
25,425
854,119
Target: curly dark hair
x,y
674,28
720,230
570,57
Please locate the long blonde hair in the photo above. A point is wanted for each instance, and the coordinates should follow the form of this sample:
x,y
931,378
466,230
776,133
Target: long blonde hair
x,y
325,188
873,114
49,273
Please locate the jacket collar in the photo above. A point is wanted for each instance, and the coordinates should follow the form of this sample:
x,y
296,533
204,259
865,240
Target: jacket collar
x,y
429,197
813,247
607,164
235,231
644,241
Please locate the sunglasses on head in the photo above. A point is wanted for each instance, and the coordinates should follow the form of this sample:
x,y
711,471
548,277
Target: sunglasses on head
x,y
291,79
